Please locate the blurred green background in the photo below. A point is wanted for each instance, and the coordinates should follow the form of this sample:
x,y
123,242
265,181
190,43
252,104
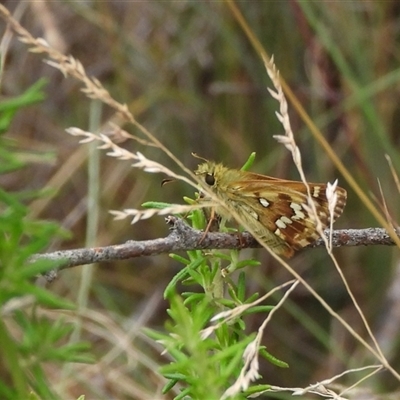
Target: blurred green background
x,y
190,76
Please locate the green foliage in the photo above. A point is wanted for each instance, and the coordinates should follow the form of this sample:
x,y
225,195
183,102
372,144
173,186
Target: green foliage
x,y
8,108
205,367
28,339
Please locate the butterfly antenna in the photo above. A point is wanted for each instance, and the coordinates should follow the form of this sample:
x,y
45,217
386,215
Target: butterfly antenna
x,y
195,155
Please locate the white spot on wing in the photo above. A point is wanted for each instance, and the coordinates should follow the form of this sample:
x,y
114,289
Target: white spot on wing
x,y
298,213
263,202
279,234
286,220
280,224
316,191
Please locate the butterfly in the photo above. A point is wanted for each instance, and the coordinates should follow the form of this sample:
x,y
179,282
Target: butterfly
x,y
276,210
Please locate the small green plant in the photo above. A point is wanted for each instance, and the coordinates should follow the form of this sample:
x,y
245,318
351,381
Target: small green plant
x,y
29,339
207,362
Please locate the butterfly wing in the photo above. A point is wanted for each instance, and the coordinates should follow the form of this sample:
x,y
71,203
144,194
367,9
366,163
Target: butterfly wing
x,y
273,208
278,210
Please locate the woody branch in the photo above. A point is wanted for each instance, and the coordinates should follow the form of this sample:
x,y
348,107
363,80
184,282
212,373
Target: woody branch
x,y
182,238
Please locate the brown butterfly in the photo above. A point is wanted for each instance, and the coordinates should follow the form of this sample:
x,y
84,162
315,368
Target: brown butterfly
x,y
274,209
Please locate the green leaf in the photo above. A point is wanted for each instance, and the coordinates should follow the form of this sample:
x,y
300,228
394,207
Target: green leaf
x,y
250,161
156,204
273,360
8,108
256,389
45,297
170,289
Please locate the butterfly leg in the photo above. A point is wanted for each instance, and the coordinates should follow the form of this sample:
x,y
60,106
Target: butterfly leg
x,y
212,220
240,237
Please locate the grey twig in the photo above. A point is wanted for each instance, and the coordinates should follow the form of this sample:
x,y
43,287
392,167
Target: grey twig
x,y
182,237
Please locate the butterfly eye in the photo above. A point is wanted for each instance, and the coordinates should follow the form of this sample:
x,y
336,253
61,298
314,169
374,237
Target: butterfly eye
x,y
210,180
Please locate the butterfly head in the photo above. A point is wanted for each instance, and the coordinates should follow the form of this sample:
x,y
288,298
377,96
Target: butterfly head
x,y
211,173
